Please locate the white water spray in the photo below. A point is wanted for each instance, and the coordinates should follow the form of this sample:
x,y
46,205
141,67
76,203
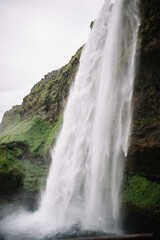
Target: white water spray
x,y
85,176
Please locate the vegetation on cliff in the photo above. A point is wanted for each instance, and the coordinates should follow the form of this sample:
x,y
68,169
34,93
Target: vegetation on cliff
x,y
142,194
28,131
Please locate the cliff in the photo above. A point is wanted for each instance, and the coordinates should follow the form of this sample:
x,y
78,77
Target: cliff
x,y
28,131
143,161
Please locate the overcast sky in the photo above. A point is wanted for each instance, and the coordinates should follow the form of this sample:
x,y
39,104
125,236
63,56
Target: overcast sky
x,y
36,37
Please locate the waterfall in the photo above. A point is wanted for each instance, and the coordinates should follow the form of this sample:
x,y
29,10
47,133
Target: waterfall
x,y
85,177
84,181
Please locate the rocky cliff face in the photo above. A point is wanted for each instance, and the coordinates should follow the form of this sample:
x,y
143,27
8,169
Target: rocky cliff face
x,y
47,97
146,110
27,131
143,161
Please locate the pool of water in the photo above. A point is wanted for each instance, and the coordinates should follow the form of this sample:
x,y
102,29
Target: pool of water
x,y
131,221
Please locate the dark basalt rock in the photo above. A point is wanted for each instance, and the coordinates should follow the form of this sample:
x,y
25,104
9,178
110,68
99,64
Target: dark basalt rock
x,y
145,136
10,182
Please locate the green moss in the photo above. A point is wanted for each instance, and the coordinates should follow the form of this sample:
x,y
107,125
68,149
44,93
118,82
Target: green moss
x,y
147,121
92,24
17,172
33,132
11,176
47,97
143,194
34,175
53,134
21,146
9,157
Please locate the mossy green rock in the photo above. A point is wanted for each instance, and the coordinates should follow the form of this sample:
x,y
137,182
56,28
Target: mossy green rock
x,y
11,177
142,194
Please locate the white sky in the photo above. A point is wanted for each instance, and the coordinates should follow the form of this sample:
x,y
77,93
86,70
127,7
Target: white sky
x,y
36,37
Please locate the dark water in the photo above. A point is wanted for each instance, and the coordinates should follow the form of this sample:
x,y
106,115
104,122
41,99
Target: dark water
x,y
131,221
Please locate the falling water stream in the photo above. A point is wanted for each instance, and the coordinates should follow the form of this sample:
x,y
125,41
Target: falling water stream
x,y
84,181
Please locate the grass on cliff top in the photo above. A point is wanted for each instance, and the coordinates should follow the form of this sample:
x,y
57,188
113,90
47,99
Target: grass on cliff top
x,y
143,194
37,134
